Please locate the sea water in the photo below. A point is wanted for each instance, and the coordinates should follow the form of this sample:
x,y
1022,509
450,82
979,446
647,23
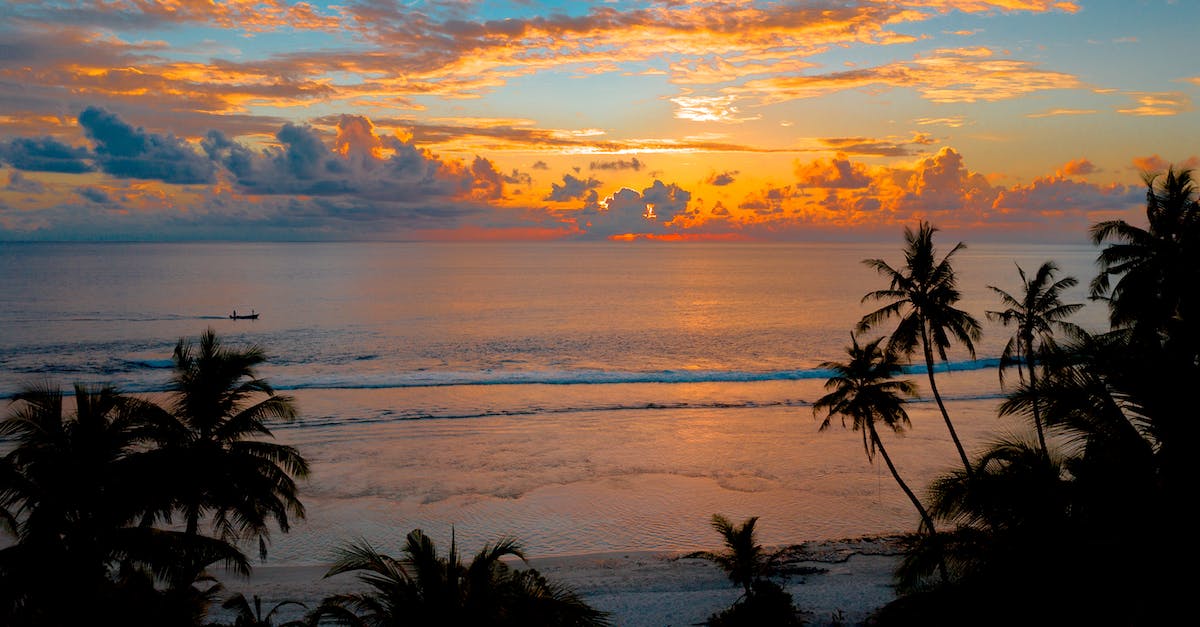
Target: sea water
x,y
581,397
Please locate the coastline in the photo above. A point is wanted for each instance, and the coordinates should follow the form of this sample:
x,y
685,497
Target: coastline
x,y
831,580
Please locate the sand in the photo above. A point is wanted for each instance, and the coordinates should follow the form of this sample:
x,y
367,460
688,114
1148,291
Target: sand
x,y
832,581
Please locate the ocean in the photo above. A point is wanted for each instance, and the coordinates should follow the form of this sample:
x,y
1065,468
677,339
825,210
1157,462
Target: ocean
x,y
581,397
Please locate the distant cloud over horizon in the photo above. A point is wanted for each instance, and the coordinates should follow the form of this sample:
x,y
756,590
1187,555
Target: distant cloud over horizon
x,y
536,120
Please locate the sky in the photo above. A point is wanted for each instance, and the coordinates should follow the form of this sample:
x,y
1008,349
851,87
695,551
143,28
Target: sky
x,y
1000,120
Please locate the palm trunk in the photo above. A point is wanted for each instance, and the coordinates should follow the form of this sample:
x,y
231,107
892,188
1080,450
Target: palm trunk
x,y
942,406
193,521
1037,412
925,518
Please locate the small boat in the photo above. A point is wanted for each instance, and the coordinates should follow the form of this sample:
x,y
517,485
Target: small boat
x,y
249,316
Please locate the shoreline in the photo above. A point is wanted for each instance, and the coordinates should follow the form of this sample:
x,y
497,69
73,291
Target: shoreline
x,y
833,580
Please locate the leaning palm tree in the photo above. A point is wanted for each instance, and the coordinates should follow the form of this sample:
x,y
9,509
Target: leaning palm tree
x,y
1035,312
864,392
923,294
215,444
425,588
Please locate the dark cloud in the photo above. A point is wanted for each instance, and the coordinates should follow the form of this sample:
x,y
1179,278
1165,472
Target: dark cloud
x,y
44,154
126,152
518,178
574,188
540,165
355,166
838,173
619,164
18,183
724,178
872,147
628,211
94,194
665,201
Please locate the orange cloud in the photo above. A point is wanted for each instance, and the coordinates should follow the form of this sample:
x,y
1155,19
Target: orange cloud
x,y
1158,103
946,76
1155,164
1077,167
709,109
1061,111
836,173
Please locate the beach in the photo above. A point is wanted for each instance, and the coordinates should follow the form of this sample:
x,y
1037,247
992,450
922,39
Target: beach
x,y
837,580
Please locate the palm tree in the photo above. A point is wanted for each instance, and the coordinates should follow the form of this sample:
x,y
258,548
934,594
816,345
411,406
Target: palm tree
x,y
1036,313
1012,544
74,486
248,616
1156,267
1156,301
864,391
424,588
763,601
214,443
923,294
744,560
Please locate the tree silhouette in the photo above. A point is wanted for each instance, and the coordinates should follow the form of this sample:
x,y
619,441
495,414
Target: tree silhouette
x,y
74,485
747,564
743,560
864,391
214,443
252,616
425,588
922,294
1036,312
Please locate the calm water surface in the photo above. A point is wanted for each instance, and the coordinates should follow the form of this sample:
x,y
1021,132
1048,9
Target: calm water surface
x,y
583,397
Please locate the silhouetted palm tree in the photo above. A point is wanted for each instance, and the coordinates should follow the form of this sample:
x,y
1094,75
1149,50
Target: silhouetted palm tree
x,y
74,484
864,391
747,564
744,560
424,588
252,616
214,442
1035,312
923,293
1157,267
1012,548
1156,300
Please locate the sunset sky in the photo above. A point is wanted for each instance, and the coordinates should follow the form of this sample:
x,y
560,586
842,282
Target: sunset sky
x,y
462,120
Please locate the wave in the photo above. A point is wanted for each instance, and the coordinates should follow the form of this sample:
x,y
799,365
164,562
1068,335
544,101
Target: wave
x,y
418,414
591,377
487,377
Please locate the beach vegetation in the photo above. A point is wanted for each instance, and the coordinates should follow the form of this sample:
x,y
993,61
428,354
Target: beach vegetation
x,y
865,392
423,587
923,293
1043,530
214,447
89,496
753,568
251,615
76,486
1036,312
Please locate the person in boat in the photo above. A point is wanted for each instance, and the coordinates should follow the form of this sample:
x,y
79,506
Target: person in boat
x,y
234,314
